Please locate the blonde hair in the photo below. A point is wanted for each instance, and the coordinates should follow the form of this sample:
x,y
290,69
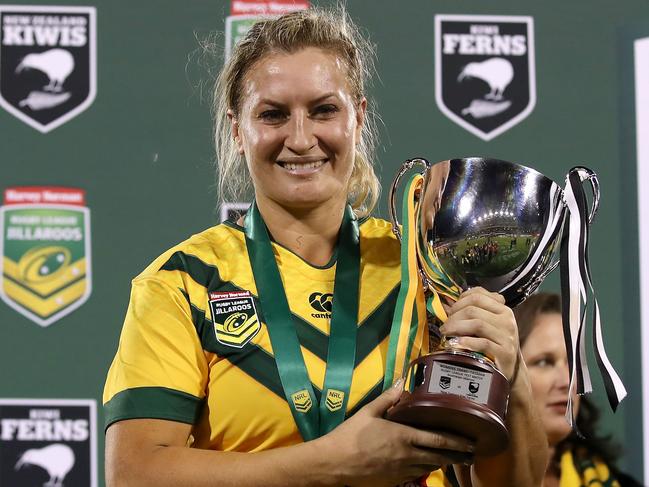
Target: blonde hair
x,y
332,30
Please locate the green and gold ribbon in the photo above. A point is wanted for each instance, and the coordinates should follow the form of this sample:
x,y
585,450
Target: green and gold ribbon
x,y
578,469
311,421
409,321
409,318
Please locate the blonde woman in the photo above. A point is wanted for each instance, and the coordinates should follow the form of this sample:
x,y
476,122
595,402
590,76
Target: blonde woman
x,y
253,353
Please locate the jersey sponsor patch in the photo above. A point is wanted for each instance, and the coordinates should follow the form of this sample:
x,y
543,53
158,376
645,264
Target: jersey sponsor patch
x,y
47,63
49,442
46,271
322,303
234,317
484,71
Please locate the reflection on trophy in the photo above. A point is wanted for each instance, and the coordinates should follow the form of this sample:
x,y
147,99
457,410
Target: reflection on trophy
x,y
490,223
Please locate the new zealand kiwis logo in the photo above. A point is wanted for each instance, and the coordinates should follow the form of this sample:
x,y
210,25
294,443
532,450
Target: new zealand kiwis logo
x,y
323,303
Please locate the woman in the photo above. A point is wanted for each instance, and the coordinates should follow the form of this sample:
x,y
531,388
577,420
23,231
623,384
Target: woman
x,y
252,342
575,460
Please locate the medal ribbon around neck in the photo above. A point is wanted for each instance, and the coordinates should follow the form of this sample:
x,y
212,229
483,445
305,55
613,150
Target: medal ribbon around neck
x,y
341,355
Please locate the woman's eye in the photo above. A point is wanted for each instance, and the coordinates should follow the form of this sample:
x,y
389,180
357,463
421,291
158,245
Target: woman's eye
x,y
272,115
326,110
543,362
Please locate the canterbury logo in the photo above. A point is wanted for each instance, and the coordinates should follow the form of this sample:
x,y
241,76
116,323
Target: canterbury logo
x,y
334,400
321,302
302,401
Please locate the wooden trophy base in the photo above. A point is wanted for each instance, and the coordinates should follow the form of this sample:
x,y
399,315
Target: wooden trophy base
x,y
456,392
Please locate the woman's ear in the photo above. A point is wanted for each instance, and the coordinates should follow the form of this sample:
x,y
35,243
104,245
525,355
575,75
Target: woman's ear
x,y
236,134
360,118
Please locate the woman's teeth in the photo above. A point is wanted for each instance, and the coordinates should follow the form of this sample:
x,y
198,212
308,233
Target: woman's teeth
x,y
309,165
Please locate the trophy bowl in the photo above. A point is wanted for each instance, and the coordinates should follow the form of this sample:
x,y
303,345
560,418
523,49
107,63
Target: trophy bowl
x,y
482,222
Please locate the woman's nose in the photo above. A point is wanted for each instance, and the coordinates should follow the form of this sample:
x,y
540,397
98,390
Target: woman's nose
x,y
562,375
300,137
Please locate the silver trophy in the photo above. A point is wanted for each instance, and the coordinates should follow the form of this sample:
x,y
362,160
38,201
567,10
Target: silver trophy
x,y
489,223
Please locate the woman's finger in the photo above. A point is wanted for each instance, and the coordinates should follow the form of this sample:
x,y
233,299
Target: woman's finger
x,y
480,298
440,441
479,323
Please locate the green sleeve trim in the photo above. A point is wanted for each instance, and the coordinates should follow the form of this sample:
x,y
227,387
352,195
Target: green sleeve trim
x,y
152,403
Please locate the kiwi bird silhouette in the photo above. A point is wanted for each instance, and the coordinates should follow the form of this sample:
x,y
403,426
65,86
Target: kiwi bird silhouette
x,y
57,64
57,460
496,72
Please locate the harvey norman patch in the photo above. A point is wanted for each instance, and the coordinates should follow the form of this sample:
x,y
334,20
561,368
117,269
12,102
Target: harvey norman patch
x,y
48,442
234,317
484,71
45,250
47,63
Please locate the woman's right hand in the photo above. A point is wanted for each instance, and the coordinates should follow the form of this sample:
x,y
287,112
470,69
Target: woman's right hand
x,y
370,450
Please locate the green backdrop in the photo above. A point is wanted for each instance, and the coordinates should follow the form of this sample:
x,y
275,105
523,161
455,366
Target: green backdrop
x,y
143,154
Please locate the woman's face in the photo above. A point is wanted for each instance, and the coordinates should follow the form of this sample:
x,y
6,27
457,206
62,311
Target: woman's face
x,y
298,127
545,355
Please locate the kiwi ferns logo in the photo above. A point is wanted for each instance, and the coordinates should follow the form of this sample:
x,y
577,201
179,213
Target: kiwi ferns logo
x,y
48,442
321,302
46,270
47,63
484,71
234,317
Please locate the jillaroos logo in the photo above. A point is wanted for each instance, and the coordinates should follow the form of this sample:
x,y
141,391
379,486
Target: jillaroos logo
x,y
234,317
45,251
321,302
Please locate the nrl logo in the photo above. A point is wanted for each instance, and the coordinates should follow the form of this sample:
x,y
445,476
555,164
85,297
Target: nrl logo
x,y
45,252
47,63
484,71
234,316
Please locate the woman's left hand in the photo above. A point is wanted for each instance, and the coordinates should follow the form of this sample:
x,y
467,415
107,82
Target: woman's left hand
x,y
482,322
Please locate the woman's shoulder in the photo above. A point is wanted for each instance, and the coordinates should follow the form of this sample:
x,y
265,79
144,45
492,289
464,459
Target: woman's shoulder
x,y
208,248
376,228
378,241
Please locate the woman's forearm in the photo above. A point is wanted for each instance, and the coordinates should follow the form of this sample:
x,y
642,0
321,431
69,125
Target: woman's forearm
x,y
172,466
525,460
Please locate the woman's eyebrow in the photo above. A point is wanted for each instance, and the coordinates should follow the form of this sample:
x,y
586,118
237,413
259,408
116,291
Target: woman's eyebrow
x,y
324,97
269,101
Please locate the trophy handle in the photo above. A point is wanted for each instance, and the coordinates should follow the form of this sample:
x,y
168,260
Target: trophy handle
x,y
585,174
405,167
589,175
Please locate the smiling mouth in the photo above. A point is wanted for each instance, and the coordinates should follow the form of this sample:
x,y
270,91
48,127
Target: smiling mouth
x,y
558,404
302,166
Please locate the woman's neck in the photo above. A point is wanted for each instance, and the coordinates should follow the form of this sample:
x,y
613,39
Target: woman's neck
x,y
553,471
310,233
